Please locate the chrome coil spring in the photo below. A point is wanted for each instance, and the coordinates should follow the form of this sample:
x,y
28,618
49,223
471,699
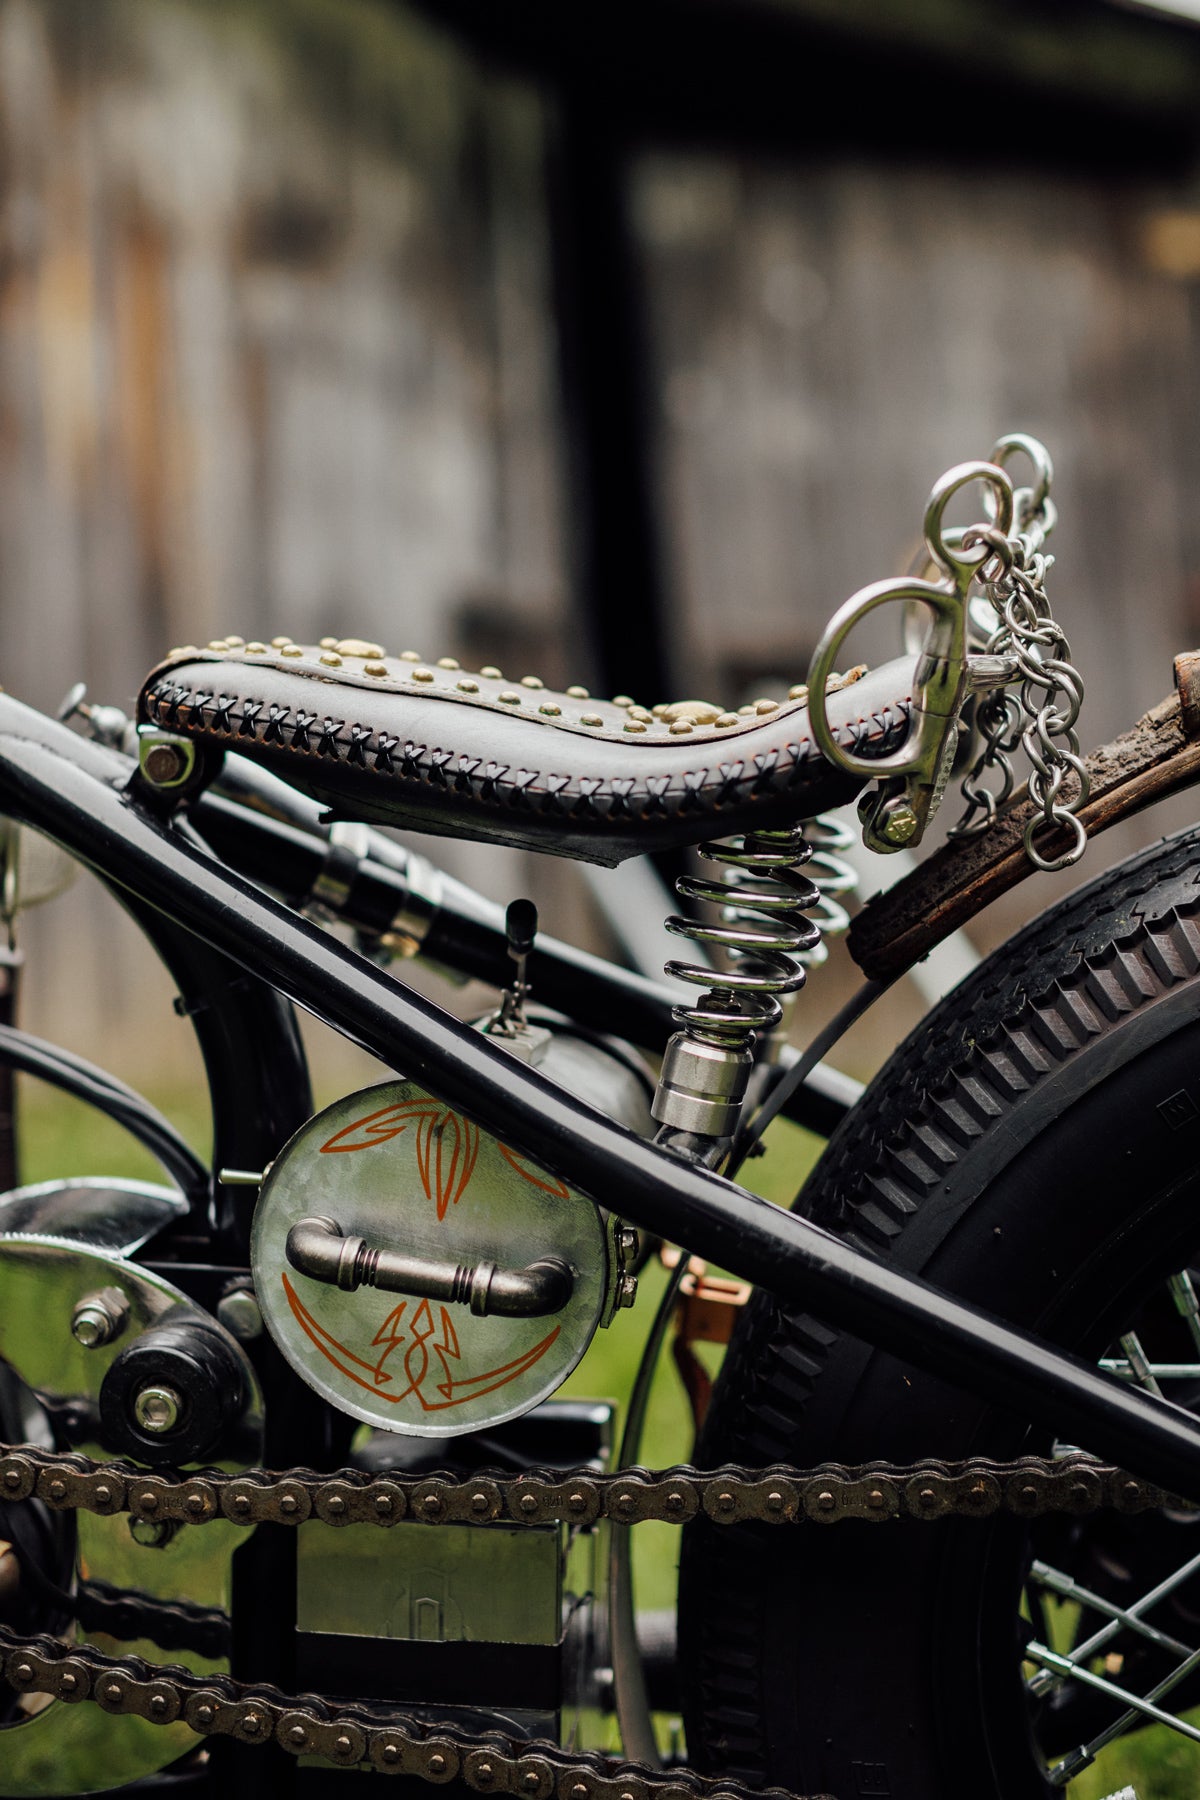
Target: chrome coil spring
x,y
762,928
833,877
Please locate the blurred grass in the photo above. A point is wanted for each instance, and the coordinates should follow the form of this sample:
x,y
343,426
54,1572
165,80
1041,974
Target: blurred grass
x,y
60,1136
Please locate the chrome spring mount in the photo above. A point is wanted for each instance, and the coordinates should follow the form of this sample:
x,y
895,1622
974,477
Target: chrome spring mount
x,y
767,938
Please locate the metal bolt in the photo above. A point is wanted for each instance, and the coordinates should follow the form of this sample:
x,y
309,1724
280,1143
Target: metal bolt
x,y
58,1490
383,1503
163,764
158,1704
927,1497
479,1503
674,1502
437,1765
774,1502
239,1313
297,1735
899,822
99,1318
68,1683
112,1691
336,1505
627,1289
288,1504
23,1672
204,1716
531,1781
529,1504
577,1503
432,1505
252,1724
343,1745
157,1409
826,1501
485,1774
875,1499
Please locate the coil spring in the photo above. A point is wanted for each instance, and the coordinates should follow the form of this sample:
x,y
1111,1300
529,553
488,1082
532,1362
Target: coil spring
x,y
833,877
763,927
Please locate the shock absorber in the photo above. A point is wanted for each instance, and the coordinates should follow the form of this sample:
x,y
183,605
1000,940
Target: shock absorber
x,y
764,930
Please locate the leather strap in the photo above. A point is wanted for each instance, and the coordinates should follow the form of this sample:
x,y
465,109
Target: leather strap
x,y
1158,757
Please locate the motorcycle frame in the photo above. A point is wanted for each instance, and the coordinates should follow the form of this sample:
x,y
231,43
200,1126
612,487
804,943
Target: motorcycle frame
x,y
87,800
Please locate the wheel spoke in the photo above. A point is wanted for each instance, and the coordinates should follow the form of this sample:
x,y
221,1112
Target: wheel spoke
x,y
1136,1705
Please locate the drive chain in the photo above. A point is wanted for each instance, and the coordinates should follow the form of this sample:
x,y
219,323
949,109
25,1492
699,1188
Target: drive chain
x,y
352,1735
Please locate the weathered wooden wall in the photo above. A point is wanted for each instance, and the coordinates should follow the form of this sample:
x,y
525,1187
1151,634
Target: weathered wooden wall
x,y
277,354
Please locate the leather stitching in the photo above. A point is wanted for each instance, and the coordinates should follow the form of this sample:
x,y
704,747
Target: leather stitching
x,y
589,798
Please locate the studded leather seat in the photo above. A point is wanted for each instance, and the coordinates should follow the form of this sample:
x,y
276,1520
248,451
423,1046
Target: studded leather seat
x,y
431,747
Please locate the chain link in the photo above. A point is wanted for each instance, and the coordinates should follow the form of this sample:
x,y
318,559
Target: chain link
x,y
351,1735
1042,714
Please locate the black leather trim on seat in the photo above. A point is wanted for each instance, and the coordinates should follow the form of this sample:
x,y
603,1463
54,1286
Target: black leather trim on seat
x,y
523,770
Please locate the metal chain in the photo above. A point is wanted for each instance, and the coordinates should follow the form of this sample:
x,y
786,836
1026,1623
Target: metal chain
x,y
350,1734
1041,716
779,1495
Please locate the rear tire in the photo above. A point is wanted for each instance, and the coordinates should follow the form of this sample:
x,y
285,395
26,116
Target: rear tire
x,y
1033,1147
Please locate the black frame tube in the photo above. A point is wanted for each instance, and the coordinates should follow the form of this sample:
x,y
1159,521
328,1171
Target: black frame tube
x,y
51,779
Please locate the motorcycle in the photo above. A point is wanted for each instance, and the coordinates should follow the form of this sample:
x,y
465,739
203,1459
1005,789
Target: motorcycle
x,y
262,1523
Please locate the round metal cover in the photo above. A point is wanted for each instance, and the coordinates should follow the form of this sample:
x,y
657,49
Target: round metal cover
x,y
404,1171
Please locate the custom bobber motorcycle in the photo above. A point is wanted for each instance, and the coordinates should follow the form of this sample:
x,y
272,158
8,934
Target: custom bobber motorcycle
x,y
288,1493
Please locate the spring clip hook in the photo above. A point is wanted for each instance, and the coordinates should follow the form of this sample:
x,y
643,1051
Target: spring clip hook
x,y
768,938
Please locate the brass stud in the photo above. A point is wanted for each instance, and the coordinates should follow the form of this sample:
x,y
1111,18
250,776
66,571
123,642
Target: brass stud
x,y
279,642
329,643
467,687
490,672
748,711
641,715
375,668
410,656
182,650
799,692
217,644
579,693
235,643
681,728
422,675
727,719
509,698
448,662
661,710
634,725
551,711
766,706
331,659
256,649
358,647
589,718
532,681
622,700
291,650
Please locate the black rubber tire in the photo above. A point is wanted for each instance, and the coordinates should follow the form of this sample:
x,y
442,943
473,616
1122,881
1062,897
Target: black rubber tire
x,y
1035,1147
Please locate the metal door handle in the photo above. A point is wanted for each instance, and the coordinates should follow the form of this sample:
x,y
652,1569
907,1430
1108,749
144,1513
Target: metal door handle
x,y
319,1248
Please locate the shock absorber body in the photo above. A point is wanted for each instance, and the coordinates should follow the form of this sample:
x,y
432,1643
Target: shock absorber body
x,y
767,937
